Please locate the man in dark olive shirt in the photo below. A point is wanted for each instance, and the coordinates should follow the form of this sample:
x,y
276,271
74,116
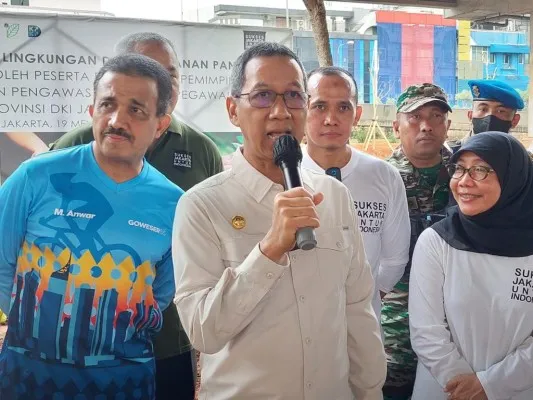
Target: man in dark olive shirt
x,y
186,157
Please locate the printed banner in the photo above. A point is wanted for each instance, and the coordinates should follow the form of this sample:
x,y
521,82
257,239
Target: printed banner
x,y
48,63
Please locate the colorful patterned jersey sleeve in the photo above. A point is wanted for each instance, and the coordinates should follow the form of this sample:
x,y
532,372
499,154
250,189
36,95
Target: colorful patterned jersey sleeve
x,y
15,200
164,284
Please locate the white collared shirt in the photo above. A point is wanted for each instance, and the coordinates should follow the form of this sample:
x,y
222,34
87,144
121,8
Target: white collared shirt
x,y
381,203
305,330
471,313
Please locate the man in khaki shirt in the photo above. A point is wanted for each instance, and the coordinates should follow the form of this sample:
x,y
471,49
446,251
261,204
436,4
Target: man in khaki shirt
x,y
271,321
186,157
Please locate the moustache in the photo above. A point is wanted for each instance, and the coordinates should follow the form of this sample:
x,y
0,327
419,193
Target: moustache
x,y
118,132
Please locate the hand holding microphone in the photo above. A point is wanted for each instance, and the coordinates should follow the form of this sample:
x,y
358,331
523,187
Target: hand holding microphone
x,y
295,215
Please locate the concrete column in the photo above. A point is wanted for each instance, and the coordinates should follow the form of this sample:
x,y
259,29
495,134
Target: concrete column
x,y
530,103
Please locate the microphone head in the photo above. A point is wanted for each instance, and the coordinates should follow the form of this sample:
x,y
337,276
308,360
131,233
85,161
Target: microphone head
x,y
287,149
334,172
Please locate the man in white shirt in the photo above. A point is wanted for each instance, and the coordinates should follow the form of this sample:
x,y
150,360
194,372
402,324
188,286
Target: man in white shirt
x,y
377,187
272,321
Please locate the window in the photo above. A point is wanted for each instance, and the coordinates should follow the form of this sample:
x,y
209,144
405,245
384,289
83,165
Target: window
x,y
507,59
521,58
281,22
480,53
492,58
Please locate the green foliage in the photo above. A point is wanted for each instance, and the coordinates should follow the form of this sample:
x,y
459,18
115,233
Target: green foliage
x,y
359,134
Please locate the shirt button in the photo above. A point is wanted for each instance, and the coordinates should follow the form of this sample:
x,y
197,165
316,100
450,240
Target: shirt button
x,y
294,257
308,384
302,298
339,245
308,340
270,275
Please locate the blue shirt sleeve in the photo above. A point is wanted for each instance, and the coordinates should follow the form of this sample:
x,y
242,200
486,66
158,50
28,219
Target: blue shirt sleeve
x,y
164,286
15,202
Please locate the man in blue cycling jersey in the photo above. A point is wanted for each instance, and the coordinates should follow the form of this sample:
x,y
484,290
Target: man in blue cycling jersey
x,y
85,264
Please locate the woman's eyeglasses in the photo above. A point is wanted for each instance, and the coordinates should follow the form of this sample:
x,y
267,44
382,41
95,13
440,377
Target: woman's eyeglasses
x,y
476,172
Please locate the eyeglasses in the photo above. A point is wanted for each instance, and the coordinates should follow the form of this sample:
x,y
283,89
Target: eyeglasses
x,y
476,172
267,98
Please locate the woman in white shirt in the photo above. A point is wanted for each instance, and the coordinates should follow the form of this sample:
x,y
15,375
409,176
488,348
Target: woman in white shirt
x,y
471,287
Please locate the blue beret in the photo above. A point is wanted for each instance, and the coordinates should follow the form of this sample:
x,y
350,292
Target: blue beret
x,y
484,89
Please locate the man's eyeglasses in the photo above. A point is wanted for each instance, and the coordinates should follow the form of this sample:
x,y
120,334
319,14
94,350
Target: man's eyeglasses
x,y
267,98
476,172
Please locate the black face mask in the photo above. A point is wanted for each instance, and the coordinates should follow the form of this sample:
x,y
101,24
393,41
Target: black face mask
x,y
490,123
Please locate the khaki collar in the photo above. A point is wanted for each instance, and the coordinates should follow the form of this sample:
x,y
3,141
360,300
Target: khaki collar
x,y
257,184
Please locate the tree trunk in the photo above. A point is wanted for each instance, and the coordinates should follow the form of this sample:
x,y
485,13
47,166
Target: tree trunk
x,y
317,13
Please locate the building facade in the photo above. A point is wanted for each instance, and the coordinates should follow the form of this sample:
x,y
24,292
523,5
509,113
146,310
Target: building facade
x,y
350,51
492,54
85,5
387,51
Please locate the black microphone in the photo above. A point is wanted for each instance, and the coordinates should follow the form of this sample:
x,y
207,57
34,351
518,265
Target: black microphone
x,y
288,156
334,172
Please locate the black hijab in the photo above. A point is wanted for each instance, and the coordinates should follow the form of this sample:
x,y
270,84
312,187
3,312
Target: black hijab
x,y
506,229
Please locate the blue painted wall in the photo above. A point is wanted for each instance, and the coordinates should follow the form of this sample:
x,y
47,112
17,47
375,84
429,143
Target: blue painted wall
x,y
445,60
354,55
503,45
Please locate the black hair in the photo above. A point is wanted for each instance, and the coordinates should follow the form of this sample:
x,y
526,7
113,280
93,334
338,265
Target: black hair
x,y
128,43
141,66
336,71
264,49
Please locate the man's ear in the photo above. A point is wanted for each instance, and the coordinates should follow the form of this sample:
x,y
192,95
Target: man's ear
x,y
162,126
515,120
231,107
358,113
448,124
396,128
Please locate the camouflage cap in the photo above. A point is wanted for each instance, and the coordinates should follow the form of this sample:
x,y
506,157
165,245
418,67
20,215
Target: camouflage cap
x,y
418,95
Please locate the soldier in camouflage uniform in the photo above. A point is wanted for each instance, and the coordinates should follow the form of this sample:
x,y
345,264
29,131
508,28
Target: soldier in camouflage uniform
x,y
421,125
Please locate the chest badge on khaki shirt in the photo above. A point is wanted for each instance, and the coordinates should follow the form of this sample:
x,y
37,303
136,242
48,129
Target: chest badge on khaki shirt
x,y
238,222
